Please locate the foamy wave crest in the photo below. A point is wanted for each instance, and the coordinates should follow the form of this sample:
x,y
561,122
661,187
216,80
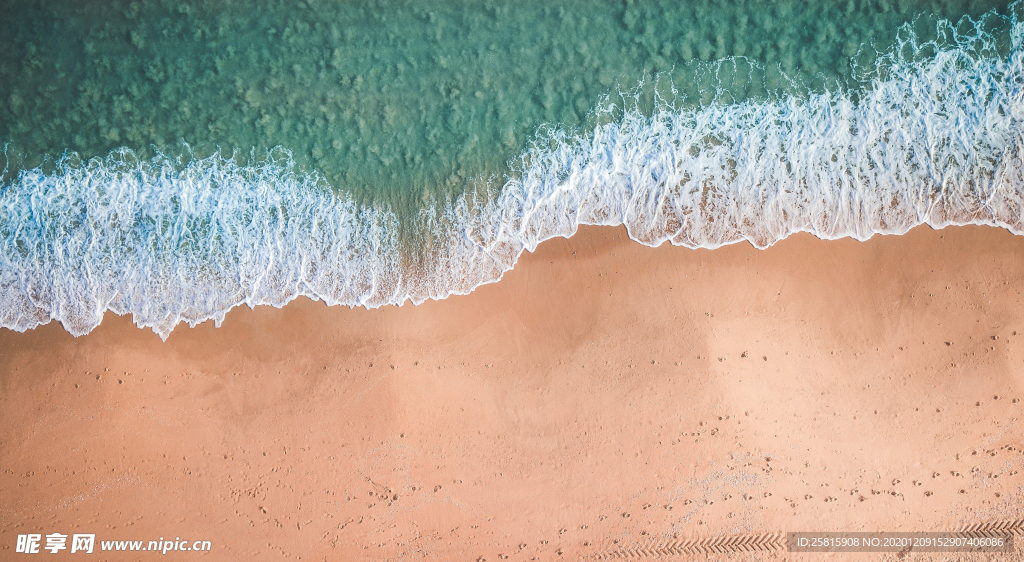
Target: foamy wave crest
x,y
935,140
168,243
938,142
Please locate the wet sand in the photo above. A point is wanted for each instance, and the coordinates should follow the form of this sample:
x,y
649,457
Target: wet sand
x,y
602,397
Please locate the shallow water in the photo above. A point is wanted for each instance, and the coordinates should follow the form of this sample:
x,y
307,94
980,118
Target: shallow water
x,y
390,98
173,160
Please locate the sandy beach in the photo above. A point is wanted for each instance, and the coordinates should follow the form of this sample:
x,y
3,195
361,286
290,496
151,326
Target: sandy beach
x,y
603,397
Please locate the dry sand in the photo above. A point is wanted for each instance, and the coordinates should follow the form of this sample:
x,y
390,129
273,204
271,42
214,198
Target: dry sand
x,y
603,396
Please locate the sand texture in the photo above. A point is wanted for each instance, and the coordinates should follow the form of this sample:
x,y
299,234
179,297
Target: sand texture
x,y
603,399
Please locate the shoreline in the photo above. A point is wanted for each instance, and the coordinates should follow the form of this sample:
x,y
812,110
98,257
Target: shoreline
x,y
601,391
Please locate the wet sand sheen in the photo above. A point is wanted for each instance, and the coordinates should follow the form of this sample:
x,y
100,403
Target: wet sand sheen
x,y
602,391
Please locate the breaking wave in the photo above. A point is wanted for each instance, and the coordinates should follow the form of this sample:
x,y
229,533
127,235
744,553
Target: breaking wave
x,y
936,137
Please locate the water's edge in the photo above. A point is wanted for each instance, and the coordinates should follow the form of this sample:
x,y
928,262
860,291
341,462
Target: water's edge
x,y
935,140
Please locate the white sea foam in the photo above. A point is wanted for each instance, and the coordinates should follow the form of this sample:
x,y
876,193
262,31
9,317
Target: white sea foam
x,y
937,140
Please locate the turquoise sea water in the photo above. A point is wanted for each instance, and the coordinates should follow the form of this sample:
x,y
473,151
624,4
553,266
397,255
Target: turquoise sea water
x,y
174,159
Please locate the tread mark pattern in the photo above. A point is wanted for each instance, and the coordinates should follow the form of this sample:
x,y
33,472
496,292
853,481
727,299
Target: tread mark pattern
x,y
712,545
